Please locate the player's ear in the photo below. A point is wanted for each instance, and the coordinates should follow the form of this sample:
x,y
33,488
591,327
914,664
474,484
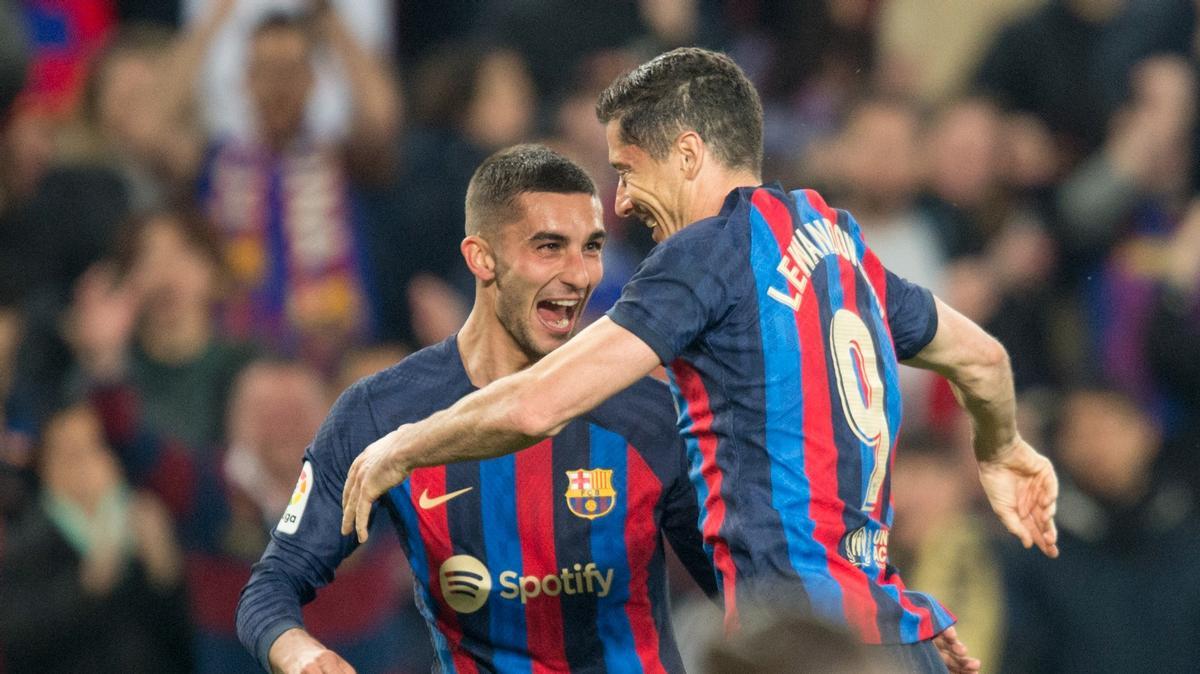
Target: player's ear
x,y
691,149
478,254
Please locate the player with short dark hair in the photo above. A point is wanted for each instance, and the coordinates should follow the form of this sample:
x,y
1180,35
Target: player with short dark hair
x,y
696,89
548,560
783,334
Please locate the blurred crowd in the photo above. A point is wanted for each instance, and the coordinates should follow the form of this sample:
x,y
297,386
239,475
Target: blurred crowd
x,y
216,214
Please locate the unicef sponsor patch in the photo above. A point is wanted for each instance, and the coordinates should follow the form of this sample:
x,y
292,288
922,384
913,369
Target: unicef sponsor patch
x,y
290,522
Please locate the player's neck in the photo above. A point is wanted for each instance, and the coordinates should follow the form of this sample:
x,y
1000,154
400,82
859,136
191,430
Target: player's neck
x,y
714,187
488,352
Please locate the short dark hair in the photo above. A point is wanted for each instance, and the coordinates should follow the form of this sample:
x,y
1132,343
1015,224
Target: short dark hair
x,y
513,171
186,219
688,88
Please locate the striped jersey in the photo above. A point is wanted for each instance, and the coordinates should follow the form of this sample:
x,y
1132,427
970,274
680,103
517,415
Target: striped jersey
x,y
547,560
782,333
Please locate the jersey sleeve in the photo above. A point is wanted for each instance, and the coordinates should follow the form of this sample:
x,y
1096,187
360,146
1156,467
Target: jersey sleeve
x,y
687,284
680,524
912,315
306,545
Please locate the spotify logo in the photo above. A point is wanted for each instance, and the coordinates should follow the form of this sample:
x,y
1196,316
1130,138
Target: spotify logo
x,y
466,583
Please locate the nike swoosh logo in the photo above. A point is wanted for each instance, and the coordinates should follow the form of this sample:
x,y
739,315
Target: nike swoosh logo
x,y
426,503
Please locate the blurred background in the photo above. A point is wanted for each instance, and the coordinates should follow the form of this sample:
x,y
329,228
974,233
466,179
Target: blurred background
x,y
216,214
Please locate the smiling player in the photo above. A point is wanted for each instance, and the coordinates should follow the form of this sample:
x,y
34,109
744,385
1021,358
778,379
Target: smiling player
x,y
783,333
549,560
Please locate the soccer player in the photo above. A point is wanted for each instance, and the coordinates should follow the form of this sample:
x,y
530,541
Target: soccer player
x,y
549,560
782,333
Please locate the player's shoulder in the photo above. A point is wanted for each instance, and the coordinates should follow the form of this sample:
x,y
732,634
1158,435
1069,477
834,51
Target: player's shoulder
x,y
645,409
646,391
421,383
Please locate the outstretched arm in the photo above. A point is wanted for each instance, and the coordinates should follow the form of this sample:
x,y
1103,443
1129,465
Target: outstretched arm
x,y
511,413
1020,483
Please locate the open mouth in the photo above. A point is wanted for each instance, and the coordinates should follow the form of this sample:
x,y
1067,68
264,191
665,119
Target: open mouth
x,y
558,315
647,219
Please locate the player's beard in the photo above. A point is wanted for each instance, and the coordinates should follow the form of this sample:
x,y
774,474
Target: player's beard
x,y
512,310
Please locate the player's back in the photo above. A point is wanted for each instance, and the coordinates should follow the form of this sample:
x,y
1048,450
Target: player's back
x,y
552,555
784,360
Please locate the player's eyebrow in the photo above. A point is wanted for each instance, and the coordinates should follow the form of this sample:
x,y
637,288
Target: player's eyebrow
x,y
544,236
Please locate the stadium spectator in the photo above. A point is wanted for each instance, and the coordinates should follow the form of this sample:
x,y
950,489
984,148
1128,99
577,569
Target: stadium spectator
x,y
943,543
274,413
1147,156
1172,347
1001,258
1069,62
877,175
1122,529
228,110
938,71
121,125
90,571
55,221
1119,213
147,319
286,204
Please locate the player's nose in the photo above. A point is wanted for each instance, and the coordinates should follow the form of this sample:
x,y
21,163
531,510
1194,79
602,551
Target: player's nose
x,y
578,271
623,205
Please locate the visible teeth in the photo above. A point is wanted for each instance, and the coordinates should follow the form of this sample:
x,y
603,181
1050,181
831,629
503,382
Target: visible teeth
x,y
564,303
560,323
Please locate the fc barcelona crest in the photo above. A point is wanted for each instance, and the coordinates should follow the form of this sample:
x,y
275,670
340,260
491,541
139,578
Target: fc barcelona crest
x,y
590,493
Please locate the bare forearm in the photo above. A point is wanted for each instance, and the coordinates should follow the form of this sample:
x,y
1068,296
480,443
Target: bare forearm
x,y
517,411
186,60
483,425
988,397
978,369
373,90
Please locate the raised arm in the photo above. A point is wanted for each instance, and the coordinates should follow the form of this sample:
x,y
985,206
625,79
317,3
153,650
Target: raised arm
x,y
1020,483
503,417
375,97
180,141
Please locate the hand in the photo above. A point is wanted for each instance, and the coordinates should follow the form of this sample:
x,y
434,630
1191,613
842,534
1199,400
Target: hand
x,y
296,652
954,653
437,310
375,471
101,320
154,541
101,568
1023,490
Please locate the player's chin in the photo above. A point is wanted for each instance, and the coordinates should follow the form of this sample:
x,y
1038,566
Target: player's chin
x,y
545,340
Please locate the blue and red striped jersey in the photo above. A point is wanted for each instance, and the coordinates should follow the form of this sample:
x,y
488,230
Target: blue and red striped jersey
x,y
547,560
782,333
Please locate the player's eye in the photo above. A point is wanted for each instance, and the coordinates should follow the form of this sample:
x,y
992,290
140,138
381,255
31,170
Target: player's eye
x,y
550,247
594,246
